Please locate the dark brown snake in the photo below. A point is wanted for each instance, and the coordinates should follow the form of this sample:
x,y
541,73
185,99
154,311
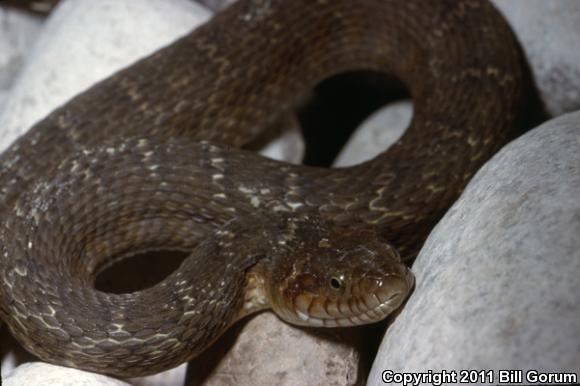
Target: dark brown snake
x,y
148,159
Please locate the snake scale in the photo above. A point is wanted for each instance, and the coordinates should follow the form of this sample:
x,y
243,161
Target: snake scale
x,y
150,159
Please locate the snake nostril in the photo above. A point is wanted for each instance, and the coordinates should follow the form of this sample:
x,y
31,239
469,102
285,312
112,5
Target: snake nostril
x,y
138,271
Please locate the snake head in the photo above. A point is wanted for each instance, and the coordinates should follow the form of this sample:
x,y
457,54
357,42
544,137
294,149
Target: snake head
x,y
338,277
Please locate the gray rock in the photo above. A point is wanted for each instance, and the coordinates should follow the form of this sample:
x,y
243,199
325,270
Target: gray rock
x,y
172,377
84,41
43,374
19,31
376,134
270,352
498,279
287,144
215,5
549,32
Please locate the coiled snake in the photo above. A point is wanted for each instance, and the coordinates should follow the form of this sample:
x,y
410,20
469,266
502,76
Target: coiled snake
x,y
148,159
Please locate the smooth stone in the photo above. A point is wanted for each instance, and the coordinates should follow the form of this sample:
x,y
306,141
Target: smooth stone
x,y
271,352
19,30
549,33
498,278
11,353
216,5
288,146
44,374
85,41
171,377
376,133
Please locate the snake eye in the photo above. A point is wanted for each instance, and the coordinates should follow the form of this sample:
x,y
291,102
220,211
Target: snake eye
x,y
335,283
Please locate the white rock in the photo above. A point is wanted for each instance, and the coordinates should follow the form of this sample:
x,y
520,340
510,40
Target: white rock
x,y
44,374
376,134
270,352
85,41
548,32
216,5
498,278
19,31
286,142
173,377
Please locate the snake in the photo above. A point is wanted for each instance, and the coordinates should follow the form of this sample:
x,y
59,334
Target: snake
x,y
153,158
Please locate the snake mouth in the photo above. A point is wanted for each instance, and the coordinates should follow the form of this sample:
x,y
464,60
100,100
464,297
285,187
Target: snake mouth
x,y
372,307
368,316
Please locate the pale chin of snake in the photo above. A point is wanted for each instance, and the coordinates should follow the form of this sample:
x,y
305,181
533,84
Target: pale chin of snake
x,y
148,160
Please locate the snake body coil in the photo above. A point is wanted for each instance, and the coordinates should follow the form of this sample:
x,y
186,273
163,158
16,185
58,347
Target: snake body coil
x,y
139,162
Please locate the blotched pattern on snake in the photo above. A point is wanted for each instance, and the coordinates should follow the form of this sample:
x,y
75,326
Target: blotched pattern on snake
x,y
149,159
